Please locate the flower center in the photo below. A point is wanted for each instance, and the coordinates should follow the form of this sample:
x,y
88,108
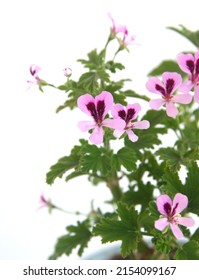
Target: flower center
x,y
97,111
166,92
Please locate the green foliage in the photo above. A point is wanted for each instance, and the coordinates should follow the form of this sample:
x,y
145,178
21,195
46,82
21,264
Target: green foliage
x,y
126,157
171,157
78,236
95,160
63,165
192,36
173,185
142,196
124,229
166,66
189,251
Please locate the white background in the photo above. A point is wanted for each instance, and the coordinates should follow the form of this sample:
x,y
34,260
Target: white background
x,y
54,34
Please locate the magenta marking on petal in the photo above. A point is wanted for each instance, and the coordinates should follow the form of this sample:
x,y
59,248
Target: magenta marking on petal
x,y
100,110
122,114
197,66
167,208
91,107
160,89
174,209
190,65
169,86
130,114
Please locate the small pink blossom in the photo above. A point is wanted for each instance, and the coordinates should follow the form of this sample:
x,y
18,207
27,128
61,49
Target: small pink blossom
x,y
97,108
171,82
190,65
44,203
67,72
170,211
117,28
34,69
126,39
128,114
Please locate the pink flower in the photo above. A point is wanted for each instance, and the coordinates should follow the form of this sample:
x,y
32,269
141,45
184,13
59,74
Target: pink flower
x,y
171,82
190,65
125,39
128,114
34,69
117,28
97,108
67,72
45,203
170,212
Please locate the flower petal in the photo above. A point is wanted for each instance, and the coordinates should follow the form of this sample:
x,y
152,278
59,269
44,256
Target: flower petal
x,y
108,101
176,231
114,123
132,136
172,76
185,87
86,125
196,94
161,224
83,101
141,125
155,104
161,201
182,62
116,109
180,202
136,107
118,133
97,136
171,109
152,83
182,98
184,221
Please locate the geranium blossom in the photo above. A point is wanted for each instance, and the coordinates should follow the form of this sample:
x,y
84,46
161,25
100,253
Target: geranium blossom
x,y
117,28
171,82
97,108
190,65
128,114
67,72
170,212
126,39
34,69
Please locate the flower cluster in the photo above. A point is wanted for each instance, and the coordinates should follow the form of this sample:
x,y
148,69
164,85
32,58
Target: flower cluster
x,y
99,107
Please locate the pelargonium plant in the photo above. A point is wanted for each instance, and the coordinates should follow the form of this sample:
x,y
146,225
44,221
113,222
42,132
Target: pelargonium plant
x,y
154,208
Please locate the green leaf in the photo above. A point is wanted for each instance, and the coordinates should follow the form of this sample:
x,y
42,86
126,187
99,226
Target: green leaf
x,y
192,36
173,185
189,251
125,229
195,236
166,65
89,81
192,189
142,196
95,159
78,236
113,66
94,60
171,157
131,93
127,158
65,163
